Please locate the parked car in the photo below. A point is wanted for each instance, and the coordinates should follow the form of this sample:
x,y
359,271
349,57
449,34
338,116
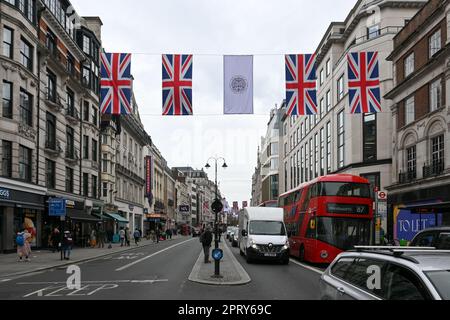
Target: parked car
x,y
235,239
438,238
388,273
229,230
233,231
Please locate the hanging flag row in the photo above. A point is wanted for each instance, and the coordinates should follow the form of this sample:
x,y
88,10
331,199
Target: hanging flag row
x,y
301,81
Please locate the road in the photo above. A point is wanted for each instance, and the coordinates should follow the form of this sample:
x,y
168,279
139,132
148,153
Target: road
x,y
160,272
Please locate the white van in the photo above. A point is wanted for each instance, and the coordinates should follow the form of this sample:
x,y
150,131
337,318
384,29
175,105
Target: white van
x,y
262,234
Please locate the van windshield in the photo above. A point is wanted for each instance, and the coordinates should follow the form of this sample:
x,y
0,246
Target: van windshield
x,y
267,228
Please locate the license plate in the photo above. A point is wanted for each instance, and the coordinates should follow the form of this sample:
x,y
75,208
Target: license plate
x,y
270,254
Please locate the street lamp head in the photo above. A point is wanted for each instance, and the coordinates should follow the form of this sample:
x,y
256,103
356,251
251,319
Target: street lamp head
x,y
224,166
207,166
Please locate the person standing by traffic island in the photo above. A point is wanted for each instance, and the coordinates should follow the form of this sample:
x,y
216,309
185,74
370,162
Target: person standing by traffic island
x,y
206,240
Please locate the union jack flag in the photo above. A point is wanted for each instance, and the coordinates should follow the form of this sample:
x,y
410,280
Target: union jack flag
x,y
116,83
301,95
364,82
177,84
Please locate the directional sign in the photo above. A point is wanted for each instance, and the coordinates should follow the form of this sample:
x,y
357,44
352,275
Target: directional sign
x,y
56,207
217,254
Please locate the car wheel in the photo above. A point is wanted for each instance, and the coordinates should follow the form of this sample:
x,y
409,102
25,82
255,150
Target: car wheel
x,y
301,256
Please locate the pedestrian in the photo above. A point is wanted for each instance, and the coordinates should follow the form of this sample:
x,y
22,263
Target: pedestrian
x,y
206,240
137,236
93,238
127,237
101,238
23,246
158,234
56,239
169,234
122,236
67,243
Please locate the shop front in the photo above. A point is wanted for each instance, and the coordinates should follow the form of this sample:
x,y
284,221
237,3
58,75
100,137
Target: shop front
x,y
414,211
21,207
154,221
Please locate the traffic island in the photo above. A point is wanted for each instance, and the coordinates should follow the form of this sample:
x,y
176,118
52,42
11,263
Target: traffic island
x,y
231,271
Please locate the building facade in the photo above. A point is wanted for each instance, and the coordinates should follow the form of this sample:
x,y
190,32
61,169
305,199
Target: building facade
x,y
421,114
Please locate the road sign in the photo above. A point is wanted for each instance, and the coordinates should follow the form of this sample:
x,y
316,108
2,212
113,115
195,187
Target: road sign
x,y
56,207
382,195
217,254
217,206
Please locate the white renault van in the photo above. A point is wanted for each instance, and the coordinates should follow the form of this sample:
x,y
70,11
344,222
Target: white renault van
x,y
262,234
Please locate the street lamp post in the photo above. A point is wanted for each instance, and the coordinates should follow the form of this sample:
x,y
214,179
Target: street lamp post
x,y
216,229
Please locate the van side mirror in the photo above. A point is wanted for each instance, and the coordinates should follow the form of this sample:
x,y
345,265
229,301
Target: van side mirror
x,y
244,233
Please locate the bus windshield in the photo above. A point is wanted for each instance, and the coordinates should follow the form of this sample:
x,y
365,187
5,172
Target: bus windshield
x,y
267,228
343,233
344,189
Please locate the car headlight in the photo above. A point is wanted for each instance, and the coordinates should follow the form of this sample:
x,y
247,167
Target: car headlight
x,y
286,245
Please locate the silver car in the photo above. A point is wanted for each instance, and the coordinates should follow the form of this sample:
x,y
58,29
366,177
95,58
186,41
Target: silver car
x,y
388,274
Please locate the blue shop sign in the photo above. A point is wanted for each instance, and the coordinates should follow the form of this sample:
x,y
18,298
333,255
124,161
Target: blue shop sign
x,y
5,194
56,207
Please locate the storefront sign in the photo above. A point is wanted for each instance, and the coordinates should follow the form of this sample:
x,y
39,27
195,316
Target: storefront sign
x,y
408,224
5,194
70,204
131,207
56,207
184,208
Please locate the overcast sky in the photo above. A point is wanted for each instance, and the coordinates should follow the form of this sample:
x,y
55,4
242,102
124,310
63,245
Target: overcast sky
x,y
209,29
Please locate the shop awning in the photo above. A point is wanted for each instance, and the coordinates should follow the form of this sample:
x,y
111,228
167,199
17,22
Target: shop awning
x,y
116,217
81,216
102,217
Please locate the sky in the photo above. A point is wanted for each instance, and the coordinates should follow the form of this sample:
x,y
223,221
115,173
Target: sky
x,y
209,29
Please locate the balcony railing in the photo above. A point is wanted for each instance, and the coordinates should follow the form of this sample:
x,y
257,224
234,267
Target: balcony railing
x,y
406,177
435,169
72,154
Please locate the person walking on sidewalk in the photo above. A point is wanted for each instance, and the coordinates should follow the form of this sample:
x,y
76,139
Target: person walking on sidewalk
x,y
128,237
137,236
101,238
67,244
56,239
206,240
93,238
122,236
23,246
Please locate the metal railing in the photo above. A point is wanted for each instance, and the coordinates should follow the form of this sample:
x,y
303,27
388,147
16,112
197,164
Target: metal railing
x,y
406,177
435,169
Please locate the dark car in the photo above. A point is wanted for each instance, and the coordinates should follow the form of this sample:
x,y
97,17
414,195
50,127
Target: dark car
x,y
438,238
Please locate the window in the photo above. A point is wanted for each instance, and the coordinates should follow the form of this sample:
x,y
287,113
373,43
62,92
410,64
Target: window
x,y
321,77
50,174
302,131
94,150
411,161
409,110
435,95
70,146
374,180
51,43
69,180
316,155
437,151
86,111
104,139
322,152
341,139
8,48
24,163
435,43
357,272
409,64
94,187
105,189
7,105
302,164
402,284
329,147
86,45
86,76
369,137
70,103
26,54
322,108
26,111
328,67
105,163
86,147
51,86
50,133
85,184
306,162
328,101
70,64
311,159
7,159
94,116
340,88
373,31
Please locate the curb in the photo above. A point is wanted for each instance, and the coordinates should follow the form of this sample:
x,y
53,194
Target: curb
x,y
76,261
245,278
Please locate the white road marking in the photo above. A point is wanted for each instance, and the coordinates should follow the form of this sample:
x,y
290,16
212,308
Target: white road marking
x,y
94,282
5,280
152,255
307,267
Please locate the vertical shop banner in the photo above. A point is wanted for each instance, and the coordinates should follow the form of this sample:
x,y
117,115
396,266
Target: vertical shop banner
x,y
238,84
149,179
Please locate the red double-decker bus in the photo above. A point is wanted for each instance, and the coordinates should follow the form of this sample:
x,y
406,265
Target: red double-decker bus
x,y
327,216
269,204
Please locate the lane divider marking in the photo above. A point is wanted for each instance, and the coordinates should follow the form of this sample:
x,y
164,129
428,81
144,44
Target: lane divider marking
x,y
307,267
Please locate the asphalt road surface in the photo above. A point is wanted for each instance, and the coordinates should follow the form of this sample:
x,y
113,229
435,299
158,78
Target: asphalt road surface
x,y
160,272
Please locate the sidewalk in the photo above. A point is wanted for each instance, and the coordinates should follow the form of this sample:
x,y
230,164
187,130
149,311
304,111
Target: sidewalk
x,y
230,269
44,259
